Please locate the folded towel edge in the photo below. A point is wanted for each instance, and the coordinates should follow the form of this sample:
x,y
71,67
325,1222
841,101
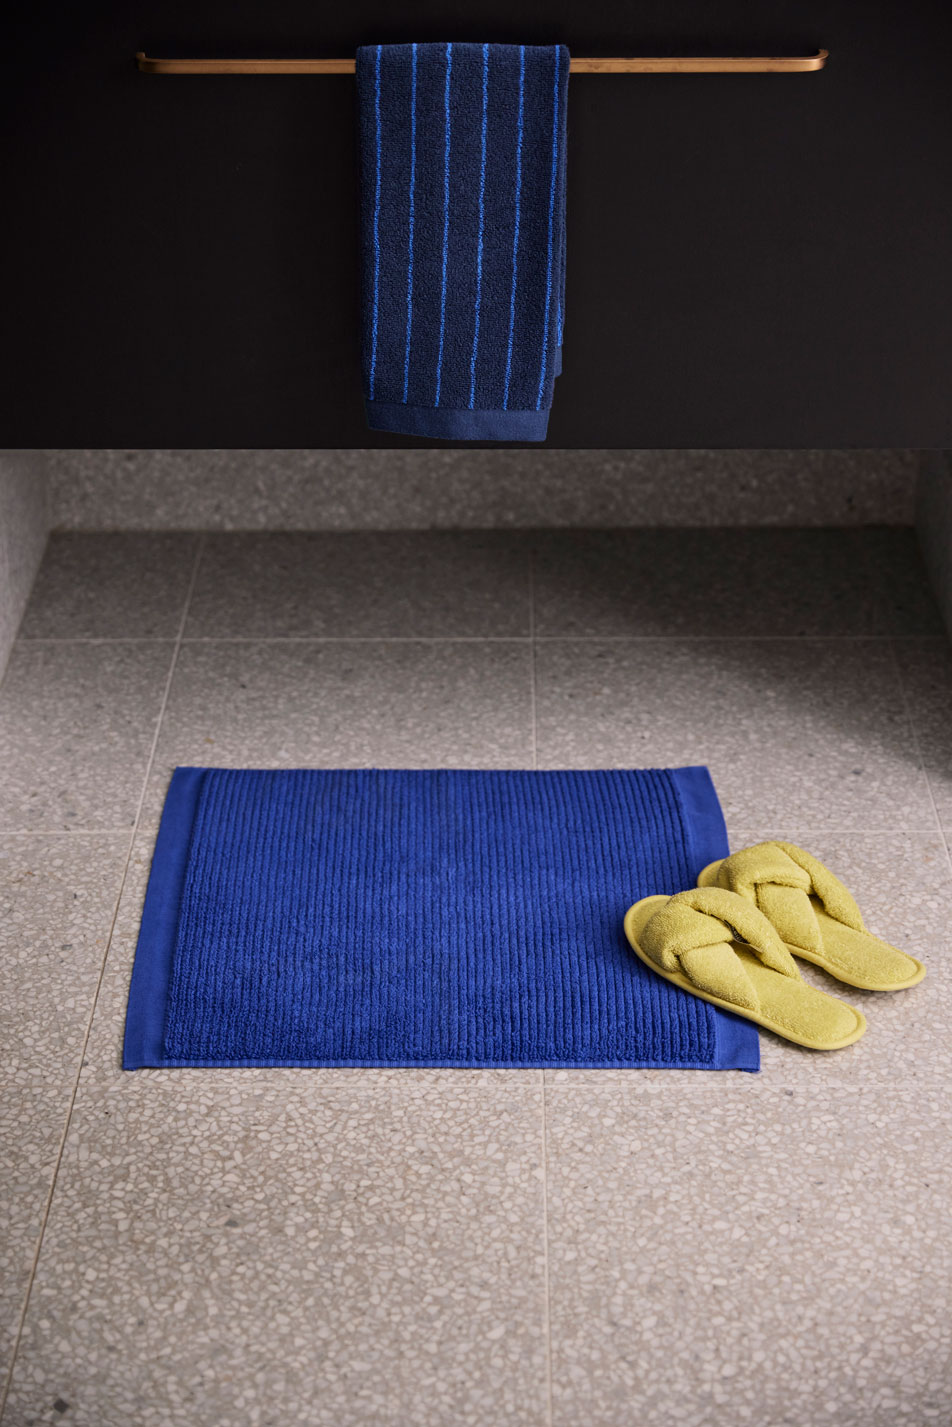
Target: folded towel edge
x,y
457,424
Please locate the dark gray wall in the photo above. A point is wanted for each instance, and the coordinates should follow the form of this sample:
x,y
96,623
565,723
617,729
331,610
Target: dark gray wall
x,y
752,260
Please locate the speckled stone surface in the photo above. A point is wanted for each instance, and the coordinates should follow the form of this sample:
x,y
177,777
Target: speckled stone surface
x,y
346,705
730,582
57,896
813,732
272,1247
401,1248
353,489
926,667
749,1253
77,722
372,584
122,586
24,523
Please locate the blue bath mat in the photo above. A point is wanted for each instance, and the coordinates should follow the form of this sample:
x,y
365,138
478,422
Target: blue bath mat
x,y
398,918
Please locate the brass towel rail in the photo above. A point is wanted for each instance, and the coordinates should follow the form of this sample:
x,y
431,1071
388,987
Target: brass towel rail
x,y
700,64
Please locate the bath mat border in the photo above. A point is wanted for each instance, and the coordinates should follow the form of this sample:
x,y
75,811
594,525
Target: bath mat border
x,y
736,1043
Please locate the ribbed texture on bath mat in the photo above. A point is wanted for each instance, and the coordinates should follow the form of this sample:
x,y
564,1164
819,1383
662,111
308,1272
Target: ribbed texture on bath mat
x,y
462,221
389,917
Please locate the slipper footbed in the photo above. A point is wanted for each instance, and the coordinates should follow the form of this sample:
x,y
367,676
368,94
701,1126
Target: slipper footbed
x,y
857,958
791,1008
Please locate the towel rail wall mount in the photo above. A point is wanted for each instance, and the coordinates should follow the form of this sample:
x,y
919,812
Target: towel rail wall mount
x,y
700,64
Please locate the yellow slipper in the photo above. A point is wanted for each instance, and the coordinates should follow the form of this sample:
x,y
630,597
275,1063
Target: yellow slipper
x,y
716,945
814,914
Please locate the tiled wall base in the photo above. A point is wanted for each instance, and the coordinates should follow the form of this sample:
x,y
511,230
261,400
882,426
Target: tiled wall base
x,y
389,490
23,531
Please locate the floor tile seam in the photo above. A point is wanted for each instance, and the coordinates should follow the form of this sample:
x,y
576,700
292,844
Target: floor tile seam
x,y
64,831
699,1084
546,1270
170,677
544,1151
25,641
357,639
917,747
532,636
44,1218
67,1120
715,636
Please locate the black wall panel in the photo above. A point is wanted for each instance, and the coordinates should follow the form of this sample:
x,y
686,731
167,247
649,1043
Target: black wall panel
x,y
753,260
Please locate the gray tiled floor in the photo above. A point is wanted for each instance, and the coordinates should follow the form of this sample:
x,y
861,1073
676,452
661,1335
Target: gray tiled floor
x,y
437,1247
424,703
377,585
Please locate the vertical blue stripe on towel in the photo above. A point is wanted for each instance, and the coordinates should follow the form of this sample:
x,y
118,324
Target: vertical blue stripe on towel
x,y
516,202
394,917
462,221
446,215
406,360
480,233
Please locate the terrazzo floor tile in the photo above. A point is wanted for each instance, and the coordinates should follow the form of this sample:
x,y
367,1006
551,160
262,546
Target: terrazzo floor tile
x,y
77,723
272,705
903,884
381,584
926,668
57,896
110,586
370,1247
278,1247
255,1248
694,582
778,1261
806,732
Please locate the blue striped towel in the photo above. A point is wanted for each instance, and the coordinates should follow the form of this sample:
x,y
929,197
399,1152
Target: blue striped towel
x,y
462,151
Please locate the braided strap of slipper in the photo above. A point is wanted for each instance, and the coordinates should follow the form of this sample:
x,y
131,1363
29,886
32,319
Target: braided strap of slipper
x,y
779,878
692,934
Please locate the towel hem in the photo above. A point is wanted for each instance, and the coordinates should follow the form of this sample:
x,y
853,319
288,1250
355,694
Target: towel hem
x,y
736,1041
149,989
452,424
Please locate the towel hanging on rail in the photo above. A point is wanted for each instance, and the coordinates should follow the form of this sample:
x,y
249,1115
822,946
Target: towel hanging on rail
x,y
462,193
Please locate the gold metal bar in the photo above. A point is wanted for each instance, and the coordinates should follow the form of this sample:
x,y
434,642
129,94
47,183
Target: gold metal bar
x,y
742,64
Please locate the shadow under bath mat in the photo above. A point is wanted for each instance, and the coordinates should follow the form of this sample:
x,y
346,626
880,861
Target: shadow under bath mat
x,y
410,918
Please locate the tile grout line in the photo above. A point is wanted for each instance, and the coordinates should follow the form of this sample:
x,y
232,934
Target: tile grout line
x,y
44,1218
298,639
65,832
670,635
96,639
544,1135
917,747
546,1278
